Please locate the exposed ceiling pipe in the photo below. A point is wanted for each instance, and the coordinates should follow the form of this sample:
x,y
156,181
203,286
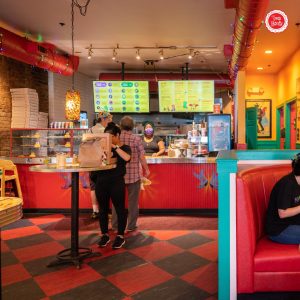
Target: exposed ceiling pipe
x,y
42,55
248,19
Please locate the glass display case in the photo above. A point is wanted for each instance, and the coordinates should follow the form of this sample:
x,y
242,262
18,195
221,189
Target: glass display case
x,y
44,142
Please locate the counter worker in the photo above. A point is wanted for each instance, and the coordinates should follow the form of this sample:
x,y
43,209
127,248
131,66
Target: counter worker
x,y
103,119
283,214
135,169
111,185
153,145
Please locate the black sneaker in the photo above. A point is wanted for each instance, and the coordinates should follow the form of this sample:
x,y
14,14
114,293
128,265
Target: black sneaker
x,y
103,241
118,242
95,215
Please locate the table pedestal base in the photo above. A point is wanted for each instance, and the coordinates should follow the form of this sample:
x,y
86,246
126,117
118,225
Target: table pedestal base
x,y
66,257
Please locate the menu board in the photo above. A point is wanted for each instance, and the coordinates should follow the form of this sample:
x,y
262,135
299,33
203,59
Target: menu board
x,y
186,96
121,96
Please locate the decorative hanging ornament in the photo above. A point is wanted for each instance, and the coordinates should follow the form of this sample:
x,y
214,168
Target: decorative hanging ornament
x,y
72,105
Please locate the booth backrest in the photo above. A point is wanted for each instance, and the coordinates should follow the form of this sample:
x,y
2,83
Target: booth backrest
x,y
253,188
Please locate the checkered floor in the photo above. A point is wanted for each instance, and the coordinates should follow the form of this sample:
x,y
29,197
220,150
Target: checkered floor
x,y
154,264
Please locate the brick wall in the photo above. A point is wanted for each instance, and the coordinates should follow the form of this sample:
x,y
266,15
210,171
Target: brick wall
x,y
15,74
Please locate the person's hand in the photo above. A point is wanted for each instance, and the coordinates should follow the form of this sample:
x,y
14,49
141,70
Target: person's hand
x,y
154,155
146,173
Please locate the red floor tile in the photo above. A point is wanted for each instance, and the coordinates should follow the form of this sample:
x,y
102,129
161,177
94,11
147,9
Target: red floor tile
x,y
4,247
212,298
213,234
205,278
47,219
20,232
156,251
66,279
14,273
59,234
139,278
166,234
208,251
37,251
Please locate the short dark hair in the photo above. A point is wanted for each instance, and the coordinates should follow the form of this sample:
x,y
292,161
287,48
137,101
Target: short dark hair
x,y
112,128
296,165
127,123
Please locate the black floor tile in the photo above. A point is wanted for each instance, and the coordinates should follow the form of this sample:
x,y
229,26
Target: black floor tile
x,y
174,289
18,224
27,241
27,290
116,263
84,240
139,240
189,240
7,259
100,289
39,266
181,263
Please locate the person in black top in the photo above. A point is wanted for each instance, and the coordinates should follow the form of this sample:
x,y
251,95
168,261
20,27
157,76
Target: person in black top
x,y
111,185
153,145
283,214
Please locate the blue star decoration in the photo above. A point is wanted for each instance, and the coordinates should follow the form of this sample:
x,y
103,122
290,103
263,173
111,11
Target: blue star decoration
x,y
214,181
202,179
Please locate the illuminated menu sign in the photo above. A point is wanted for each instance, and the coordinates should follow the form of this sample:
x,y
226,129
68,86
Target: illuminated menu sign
x,y
186,96
121,96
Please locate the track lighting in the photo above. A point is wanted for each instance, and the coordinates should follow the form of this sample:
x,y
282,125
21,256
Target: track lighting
x,y
90,52
161,52
114,54
138,54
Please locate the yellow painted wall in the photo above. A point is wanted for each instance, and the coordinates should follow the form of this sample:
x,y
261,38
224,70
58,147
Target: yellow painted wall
x,y
286,80
269,85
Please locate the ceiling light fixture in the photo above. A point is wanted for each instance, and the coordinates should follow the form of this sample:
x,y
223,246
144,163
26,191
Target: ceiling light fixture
x,y
191,54
268,52
161,52
114,54
138,54
259,68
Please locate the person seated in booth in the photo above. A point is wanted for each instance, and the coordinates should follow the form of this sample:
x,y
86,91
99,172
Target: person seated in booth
x,y
153,145
283,213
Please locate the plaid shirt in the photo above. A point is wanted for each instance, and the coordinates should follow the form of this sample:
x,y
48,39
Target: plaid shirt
x,y
133,167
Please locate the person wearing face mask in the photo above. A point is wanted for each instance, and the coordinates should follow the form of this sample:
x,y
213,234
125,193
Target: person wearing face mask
x,y
153,145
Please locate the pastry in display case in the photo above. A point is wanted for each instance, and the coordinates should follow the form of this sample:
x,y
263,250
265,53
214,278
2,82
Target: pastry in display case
x,y
44,142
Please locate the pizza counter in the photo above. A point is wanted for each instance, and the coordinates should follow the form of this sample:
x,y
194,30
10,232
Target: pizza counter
x,y
174,184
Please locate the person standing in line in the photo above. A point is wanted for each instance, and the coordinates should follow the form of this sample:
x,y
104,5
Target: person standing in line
x,y
104,118
135,169
111,185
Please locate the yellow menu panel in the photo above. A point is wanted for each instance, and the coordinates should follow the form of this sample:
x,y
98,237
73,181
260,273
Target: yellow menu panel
x,y
186,96
121,96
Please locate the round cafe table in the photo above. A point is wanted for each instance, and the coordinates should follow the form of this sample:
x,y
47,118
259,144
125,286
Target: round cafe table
x,y
75,254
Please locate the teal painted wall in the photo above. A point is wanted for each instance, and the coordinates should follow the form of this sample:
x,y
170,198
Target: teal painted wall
x,y
267,145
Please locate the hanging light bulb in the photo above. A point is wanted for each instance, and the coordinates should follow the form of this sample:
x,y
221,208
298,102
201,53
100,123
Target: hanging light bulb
x,y
138,54
72,102
161,52
191,54
114,54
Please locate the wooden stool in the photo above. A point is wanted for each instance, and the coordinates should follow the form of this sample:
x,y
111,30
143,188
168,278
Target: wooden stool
x,y
10,210
9,172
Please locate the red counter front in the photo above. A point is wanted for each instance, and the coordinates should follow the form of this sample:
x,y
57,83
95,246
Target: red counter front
x,y
174,186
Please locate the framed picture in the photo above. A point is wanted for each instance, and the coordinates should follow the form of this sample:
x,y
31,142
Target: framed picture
x,y
264,116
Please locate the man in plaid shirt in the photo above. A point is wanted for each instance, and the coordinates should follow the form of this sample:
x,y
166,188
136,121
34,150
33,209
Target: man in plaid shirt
x,y
135,169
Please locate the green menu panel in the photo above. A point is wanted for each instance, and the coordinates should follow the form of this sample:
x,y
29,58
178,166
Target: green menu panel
x,y
186,96
121,96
